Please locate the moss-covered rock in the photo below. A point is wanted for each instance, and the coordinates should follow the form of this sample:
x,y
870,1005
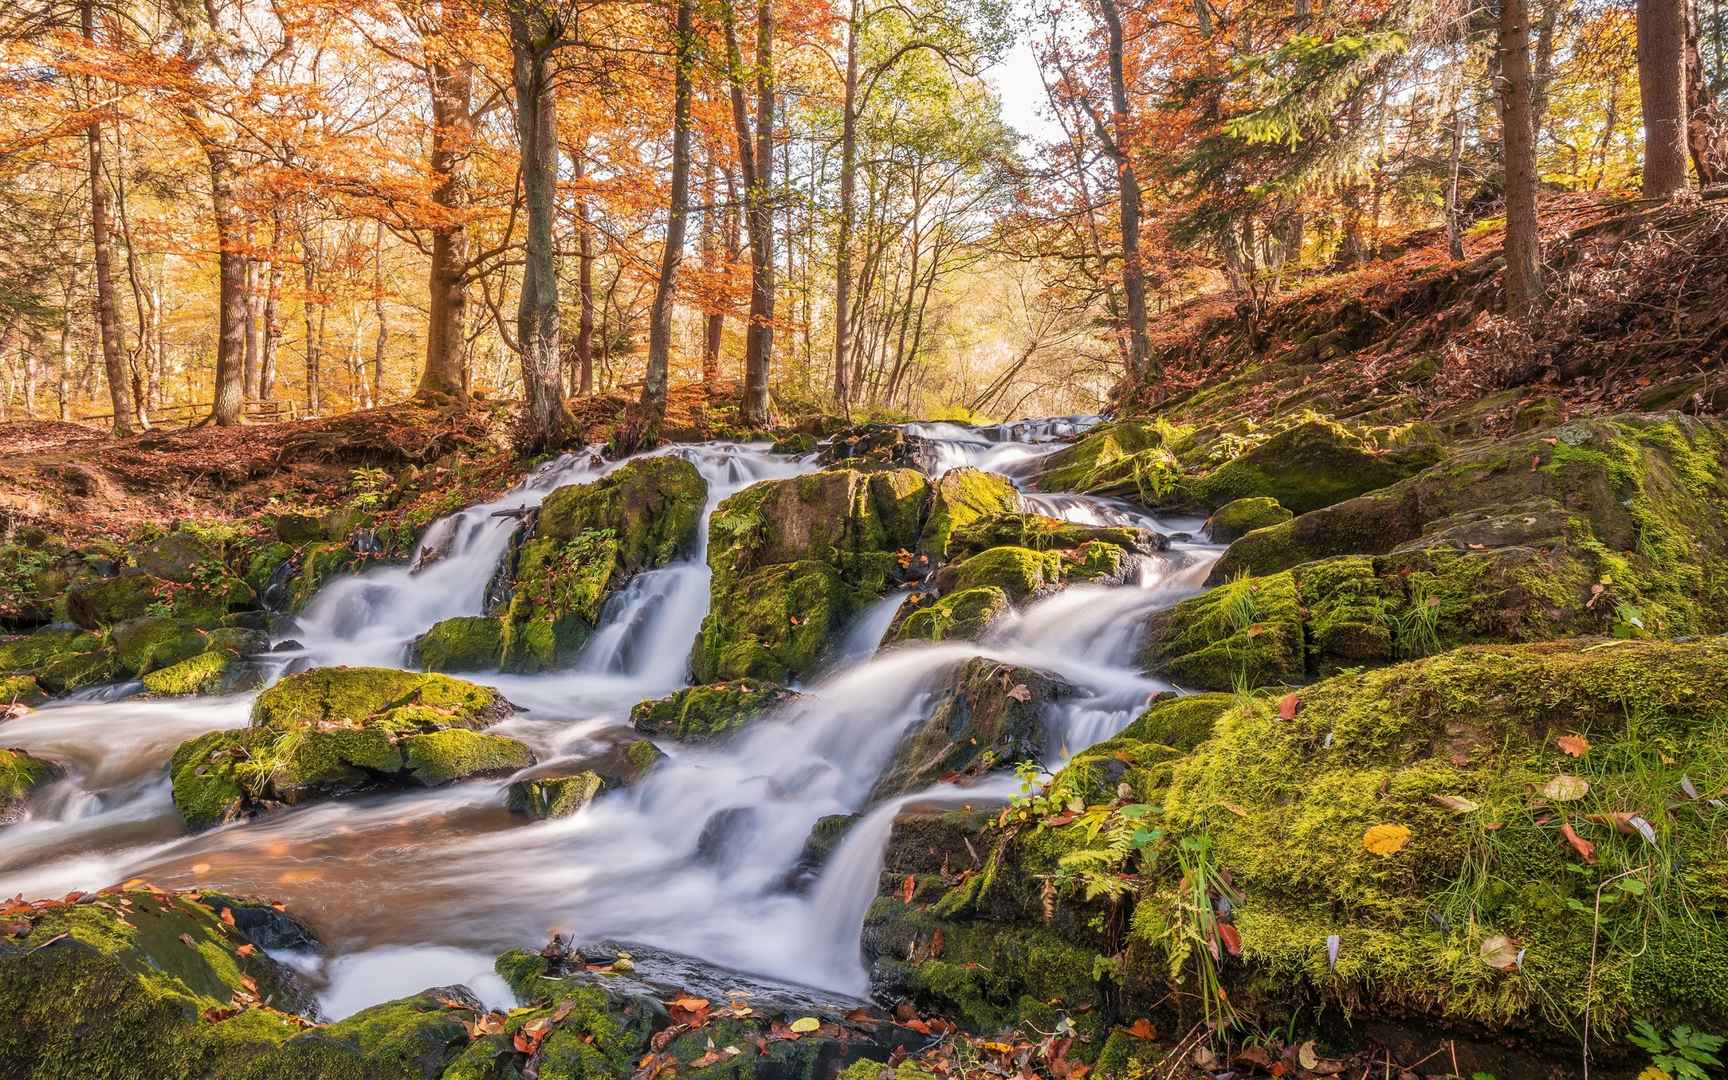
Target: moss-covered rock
x,y
984,715
20,690
651,506
217,671
464,643
60,659
330,732
961,616
1239,517
1383,839
554,795
1019,572
706,713
1102,458
97,604
794,559
140,986
1245,632
155,641
870,447
1181,721
1042,533
20,775
960,498
1310,465
559,591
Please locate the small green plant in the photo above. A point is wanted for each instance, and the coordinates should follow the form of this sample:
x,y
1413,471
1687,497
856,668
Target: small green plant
x,y
1416,632
1235,607
1684,1053
369,489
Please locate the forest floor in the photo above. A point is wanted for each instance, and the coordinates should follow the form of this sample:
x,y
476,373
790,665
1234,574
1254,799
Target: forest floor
x,y
79,482
1635,321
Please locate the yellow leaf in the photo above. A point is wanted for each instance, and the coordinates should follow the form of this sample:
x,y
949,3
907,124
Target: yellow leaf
x,y
1653,1073
1566,788
804,1025
1385,839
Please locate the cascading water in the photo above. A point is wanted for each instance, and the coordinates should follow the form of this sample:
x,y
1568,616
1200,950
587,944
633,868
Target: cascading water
x,y
696,858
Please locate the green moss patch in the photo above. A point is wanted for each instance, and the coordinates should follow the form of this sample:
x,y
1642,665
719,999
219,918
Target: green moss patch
x,y
705,713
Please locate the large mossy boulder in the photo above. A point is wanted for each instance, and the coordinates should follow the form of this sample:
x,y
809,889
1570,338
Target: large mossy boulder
x,y
331,732
463,643
983,715
961,498
1642,501
217,671
794,559
961,616
61,659
1105,459
1309,465
651,506
1239,517
698,714
1440,841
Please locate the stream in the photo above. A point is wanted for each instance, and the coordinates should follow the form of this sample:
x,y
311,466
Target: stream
x,y
416,889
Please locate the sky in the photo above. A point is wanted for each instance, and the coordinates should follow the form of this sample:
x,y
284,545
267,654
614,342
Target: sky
x,y
1022,94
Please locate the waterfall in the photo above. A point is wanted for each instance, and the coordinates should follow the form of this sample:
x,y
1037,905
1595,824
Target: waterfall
x,y
696,857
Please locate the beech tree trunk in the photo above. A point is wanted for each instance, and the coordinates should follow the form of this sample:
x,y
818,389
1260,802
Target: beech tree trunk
x,y
584,278
756,163
379,312
272,306
545,419
1523,243
678,215
709,244
1662,94
452,86
1128,193
256,271
848,199
229,399
102,240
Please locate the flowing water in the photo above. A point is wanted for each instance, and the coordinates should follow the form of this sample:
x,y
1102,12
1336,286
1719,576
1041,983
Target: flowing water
x,y
416,889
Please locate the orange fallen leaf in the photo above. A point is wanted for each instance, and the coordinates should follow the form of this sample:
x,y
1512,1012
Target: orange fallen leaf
x,y
1585,849
1386,839
1287,706
1575,745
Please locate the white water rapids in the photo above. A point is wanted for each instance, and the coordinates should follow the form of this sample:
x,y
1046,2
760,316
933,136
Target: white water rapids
x,y
416,889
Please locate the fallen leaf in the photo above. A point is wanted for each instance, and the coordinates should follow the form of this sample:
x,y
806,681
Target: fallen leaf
x,y
1142,1029
227,917
1287,706
1458,804
246,950
1575,745
804,1025
1585,849
908,888
1020,692
1566,788
1231,939
1386,839
1256,630
1500,952
186,940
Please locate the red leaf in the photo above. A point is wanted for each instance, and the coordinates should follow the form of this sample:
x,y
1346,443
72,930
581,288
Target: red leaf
x,y
908,888
1287,706
1585,849
1231,939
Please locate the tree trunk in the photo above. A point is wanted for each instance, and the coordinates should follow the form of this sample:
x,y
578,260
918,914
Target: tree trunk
x,y
584,276
848,197
107,317
756,163
677,217
272,311
229,395
379,312
1662,94
257,271
65,388
709,243
1523,243
452,88
545,420
1133,272
1706,158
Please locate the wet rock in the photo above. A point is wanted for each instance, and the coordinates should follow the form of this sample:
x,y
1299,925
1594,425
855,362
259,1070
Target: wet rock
x,y
464,643
874,446
1103,459
961,616
20,776
1020,573
825,836
794,559
985,715
331,732
795,445
651,505
215,672
554,794
155,641
61,659
1043,533
725,835
98,604
1242,516
959,499
706,713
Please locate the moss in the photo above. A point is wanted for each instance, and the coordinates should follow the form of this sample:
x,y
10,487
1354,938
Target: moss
x,y
465,643
795,444
1239,517
92,992
559,590
20,775
1039,533
440,757
60,660
1308,466
153,641
20,690
1019,572
962,615
215,672
773,623
554,796
319,563
101,603
412,1038
704,713
651,506
1182,722
962,497
1248,631
359,695
642,755
1087,464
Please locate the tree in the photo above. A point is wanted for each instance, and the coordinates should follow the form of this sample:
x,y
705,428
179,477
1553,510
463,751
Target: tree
x,y
535,32
678,214
756,164
450,79
1662,94
1523,243
102,240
